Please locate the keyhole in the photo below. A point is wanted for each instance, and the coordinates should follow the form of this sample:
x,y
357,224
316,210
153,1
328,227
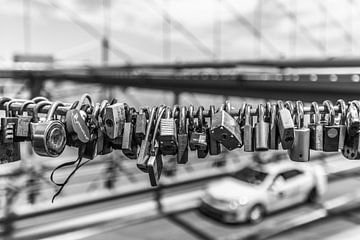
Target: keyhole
x,y
109,123
224,136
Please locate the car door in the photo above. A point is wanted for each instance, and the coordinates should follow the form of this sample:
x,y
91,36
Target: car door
x,y
298,185
288,188
276,193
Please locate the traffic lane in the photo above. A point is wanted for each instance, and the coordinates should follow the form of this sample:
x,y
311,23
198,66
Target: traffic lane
x,y
108,205
326,228
214,228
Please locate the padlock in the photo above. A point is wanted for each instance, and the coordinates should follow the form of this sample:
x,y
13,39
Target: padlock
x,y
316,128
104,146
202,131
214,146
191,128
225,129
249,130
351,148
261,130
144,152
22,132
9,124
168,144
331,132
341,121
129,146
300,151
198,137
285,126
140,124
91,147
182,137
76,127
353,118
154,165
49,136
9,150
274,138
114,118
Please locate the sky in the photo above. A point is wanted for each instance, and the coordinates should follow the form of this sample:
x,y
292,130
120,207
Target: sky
x,y
199,29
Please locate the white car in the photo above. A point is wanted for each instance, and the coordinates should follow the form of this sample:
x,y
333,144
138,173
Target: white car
x,y
255,191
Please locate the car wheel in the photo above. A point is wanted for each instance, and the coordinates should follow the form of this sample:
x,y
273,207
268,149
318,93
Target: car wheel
x,y
256,214
313,196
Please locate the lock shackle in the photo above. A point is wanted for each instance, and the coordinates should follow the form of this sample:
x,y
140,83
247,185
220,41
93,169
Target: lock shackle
x,y
39,99
299,114
228,106
273,113
201,119
330,108
113,101
130,114
342,108
290,106
261,112
176,109
267,114
146,111
24,105
4,100
96,110
248,117
241,113
38,106
191,117
8,104
161,111
315,118
182,120
221,108
211,112
151,123
50,115
103,105
280,104
167,112
84,97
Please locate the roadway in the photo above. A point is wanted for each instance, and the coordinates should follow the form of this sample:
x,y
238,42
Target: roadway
x,y
186,223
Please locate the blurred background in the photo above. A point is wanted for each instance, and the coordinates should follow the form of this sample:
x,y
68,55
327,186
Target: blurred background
x,y
152,52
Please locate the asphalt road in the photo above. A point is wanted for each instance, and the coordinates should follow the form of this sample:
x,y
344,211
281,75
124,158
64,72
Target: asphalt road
x,y
172,228
194,225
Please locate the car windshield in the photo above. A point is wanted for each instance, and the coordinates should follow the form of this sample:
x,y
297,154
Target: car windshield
x,y
251,176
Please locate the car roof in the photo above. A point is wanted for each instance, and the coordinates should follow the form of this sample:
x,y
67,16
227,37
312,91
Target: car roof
x,y
276,167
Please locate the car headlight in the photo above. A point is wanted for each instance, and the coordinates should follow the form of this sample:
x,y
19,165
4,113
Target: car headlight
x,y
236,203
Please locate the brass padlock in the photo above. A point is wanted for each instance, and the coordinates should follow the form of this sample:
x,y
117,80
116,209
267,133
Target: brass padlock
x,y
285,126
168,144
316,128
22,132
249,130
274,138
331,134
261,131
342,121
214,145
183,141
300,151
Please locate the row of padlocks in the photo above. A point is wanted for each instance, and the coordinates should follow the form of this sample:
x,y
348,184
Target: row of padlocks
x,y
147,134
